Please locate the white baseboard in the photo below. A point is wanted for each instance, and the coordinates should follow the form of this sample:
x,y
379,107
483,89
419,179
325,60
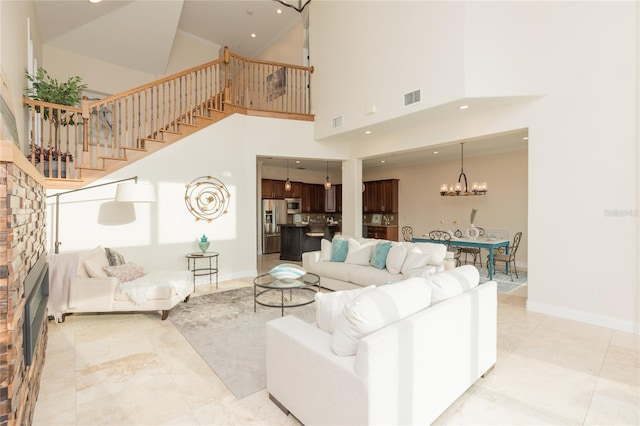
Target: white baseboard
x,y
586,317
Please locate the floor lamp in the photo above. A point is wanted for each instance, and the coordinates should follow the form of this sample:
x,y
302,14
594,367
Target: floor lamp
x,y
132,192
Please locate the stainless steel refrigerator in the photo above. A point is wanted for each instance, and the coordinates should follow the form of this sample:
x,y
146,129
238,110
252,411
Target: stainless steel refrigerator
x,y
274,212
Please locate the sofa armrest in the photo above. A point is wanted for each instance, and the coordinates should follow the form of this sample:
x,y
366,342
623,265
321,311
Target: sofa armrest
x,y
94,293
305,376
310,257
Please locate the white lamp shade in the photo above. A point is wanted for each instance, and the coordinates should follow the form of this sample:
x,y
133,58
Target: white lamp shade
x,y
135,193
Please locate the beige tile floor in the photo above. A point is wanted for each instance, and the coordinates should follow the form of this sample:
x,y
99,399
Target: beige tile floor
x,y
133,369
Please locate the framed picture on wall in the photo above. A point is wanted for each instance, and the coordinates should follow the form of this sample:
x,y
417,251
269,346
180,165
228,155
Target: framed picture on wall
x,y
276,83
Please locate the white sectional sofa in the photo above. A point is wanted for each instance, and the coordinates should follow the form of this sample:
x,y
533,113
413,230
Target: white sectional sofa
x,y
403,260
86,281
408,371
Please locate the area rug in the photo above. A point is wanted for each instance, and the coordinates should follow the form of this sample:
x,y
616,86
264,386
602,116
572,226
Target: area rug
x,y
230,337
505,285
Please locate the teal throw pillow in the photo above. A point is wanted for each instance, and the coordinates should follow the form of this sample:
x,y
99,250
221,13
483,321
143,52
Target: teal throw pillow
x,y
339,249
380,252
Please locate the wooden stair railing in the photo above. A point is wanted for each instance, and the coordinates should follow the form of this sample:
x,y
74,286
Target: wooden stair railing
x,y
102,136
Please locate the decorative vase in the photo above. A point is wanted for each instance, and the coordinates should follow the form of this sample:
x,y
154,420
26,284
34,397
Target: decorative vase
x,y
472,232
204,245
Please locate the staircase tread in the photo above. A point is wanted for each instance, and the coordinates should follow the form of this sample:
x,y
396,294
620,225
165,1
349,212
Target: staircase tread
x,y
152,140
170,131
203,117
98,169
136,149
187,124
112,158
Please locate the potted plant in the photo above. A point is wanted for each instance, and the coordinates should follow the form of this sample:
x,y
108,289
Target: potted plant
x,y
47,89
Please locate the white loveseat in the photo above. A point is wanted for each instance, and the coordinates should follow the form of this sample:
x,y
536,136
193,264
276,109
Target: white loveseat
x,y
403,260
85,281
407,372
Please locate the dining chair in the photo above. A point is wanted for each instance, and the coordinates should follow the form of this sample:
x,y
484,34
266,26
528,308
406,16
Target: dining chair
x,y
472,251
508,259
445,238
407,233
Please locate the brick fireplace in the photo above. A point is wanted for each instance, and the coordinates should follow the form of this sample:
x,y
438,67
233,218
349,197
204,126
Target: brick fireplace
x,y
22,285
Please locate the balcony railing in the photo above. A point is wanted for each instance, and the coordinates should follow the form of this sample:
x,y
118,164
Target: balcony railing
x,y
66,140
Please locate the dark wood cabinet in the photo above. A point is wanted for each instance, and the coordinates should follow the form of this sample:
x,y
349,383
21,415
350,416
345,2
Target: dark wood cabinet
x,y
380,196
383,232
296,190
312,198
273,189
339,198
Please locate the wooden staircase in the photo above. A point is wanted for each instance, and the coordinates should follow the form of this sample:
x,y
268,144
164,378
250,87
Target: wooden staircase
x,y
120,129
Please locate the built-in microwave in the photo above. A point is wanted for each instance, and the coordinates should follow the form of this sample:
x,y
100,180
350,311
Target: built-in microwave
x,y
294,205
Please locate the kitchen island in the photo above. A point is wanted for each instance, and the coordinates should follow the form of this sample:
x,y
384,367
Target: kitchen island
x,y
294,239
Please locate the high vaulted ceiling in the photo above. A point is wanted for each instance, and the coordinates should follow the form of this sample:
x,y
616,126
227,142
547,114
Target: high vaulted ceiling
x,y
139,34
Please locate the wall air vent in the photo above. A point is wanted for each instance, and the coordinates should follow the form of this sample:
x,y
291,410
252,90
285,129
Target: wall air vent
x,y
336,122
412,97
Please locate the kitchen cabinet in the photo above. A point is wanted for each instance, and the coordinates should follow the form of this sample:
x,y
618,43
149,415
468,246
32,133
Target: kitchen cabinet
x,y
380,196
273,189
296,190
339,198
383,232
330,199
312,198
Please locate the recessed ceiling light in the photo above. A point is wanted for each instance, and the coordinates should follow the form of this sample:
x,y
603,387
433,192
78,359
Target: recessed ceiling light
x,y
95,1
381,161
253,35
435,152
297,161
278,11
526,138
367,132
463,107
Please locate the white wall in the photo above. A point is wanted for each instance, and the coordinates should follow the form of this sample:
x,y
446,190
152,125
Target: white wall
x,y
163,232
287,48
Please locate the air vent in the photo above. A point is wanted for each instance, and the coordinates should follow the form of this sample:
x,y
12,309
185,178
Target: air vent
x,y
336,122
412,97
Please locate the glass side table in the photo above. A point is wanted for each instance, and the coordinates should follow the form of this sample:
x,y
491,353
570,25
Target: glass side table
x,y
304,288
209,270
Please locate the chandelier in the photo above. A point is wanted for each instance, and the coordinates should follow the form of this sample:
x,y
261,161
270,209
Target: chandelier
x,y
462,187
327,182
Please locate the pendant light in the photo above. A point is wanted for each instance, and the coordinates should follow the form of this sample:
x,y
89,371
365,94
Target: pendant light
x,y
461,188
327,182
287,184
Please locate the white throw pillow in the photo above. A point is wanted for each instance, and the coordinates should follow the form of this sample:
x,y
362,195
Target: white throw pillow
x,y
376,308
452,282
86,254
359,254
95,265
395,258
436,251
415,259
325,250
329,306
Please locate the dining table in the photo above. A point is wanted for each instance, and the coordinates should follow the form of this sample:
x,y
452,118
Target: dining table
x,y
490,244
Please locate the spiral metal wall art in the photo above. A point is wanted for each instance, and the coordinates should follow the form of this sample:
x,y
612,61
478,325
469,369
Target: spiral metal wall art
x,y
207,198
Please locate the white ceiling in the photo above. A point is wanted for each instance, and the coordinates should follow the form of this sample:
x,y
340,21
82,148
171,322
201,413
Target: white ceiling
x,y
119,31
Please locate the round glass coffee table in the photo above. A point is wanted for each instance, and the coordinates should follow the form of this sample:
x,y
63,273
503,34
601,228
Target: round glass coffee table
x,y
302,289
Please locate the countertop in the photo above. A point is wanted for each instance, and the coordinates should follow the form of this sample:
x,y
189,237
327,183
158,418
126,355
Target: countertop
x,y
302,225
382,226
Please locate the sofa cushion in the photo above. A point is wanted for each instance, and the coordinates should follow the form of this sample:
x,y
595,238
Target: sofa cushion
x,y
395,258
367,275
335,270
95,265
359,253
114,257
326,248
329,306
379,255
436,251
86,254
452,282
375,309
339,249
127,272
415,259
